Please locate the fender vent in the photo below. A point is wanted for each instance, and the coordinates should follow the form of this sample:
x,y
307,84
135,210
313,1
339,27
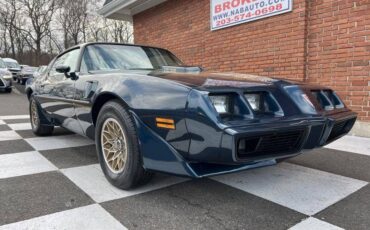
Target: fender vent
x,y
341,128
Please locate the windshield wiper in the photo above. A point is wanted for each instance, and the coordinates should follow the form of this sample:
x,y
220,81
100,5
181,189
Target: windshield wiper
x,y
140,69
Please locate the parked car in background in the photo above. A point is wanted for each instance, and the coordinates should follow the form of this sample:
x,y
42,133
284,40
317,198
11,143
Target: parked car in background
x,y
148,112
26,73
5,78
40,71
12,66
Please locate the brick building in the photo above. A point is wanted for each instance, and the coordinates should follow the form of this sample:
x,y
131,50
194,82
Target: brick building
x,y
318,41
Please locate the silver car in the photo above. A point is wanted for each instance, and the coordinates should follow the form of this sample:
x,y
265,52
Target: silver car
x,y
5,78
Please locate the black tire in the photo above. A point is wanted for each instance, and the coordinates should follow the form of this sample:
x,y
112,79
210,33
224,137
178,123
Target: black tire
x,y
38,128
23,81
18,80
9,90
133,173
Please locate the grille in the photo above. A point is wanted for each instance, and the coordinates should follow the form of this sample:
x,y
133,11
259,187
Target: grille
x,y
340,128
271,144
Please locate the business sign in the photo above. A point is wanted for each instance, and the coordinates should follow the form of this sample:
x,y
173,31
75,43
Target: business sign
x,y
225,13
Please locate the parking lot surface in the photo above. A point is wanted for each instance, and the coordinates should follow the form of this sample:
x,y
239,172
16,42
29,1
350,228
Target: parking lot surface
x,y
56,183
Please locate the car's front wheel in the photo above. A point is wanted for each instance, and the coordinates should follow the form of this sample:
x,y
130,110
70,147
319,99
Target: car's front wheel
x,y
118,147
38,128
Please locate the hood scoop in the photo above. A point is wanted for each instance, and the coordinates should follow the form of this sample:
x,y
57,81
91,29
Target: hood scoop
x,y
229,83
181,69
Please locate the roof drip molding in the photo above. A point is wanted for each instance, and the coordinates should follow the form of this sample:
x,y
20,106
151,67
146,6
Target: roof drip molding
x,y
125,9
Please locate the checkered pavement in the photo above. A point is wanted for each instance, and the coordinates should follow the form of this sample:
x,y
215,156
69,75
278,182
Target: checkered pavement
x,y
56,183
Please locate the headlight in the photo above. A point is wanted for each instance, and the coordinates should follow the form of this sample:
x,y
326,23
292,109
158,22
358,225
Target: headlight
x,y
221,103
254,100
7,76
263,102
300,99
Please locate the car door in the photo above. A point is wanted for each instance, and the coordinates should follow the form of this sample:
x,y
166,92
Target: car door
x,y
58,92
86,87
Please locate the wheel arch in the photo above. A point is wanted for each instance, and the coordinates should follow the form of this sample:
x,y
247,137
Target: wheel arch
x,y
29,92
100,100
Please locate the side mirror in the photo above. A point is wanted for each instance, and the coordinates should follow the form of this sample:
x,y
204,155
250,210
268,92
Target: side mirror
x,y
66,70
63,69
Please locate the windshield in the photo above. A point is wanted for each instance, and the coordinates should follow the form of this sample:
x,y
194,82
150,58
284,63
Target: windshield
x,y
105,57
2,64
29,69
12,65
41,69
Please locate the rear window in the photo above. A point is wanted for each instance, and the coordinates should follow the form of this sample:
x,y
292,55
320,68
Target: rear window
x,y
2,63
12,65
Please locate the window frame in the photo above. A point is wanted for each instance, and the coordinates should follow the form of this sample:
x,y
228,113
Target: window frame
x,y
84,48
51,66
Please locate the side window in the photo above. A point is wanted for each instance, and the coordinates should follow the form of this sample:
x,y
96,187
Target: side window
x,y
92,60
72,59
68,59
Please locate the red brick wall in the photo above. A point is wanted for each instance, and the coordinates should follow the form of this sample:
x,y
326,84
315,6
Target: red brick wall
x,y
273,46
321,41
339,50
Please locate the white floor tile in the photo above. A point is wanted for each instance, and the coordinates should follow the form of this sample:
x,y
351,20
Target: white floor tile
x,y
20,126
313,223
360,145
9,135
58,142
2,122
93,182
19,164
302,189
89,217
14,117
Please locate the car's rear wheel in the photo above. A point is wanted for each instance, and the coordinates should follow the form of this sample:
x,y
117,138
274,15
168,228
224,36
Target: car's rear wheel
x,y
38,128
8,90
118,147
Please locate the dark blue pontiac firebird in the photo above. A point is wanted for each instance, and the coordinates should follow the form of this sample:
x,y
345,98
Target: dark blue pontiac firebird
x,y
149,112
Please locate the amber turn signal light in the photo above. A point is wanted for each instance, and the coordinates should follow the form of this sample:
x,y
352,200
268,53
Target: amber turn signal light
x,y
165,123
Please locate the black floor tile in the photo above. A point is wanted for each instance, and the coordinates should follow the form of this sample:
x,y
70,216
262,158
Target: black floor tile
x,y
72,157
353,212
342,163
35,195
4,128
14,146
16,121
58,131
201,204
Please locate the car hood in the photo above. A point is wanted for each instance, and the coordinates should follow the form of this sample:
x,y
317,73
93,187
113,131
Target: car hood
x,y
215,79
3,71
14,69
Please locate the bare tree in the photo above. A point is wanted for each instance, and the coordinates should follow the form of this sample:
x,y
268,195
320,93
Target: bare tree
x,y
8,16
40,14
32,31
121,31
73,19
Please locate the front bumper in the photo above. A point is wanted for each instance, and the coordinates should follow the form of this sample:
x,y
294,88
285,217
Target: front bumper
x,y
5,84
270,142
282,140
25,77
